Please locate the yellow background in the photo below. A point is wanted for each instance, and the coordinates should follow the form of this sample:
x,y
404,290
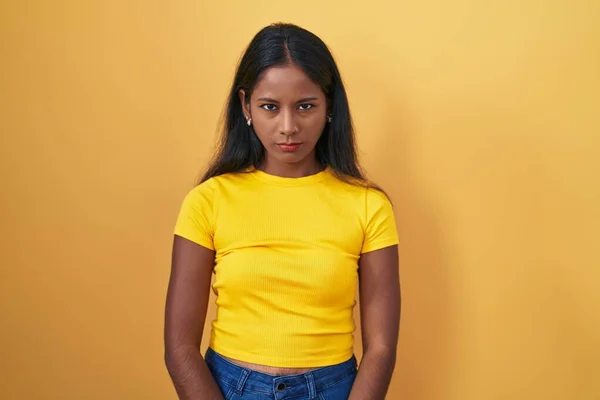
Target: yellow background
x,y
481,119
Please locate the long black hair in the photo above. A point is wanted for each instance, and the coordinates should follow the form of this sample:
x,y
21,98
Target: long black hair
x,y
239,148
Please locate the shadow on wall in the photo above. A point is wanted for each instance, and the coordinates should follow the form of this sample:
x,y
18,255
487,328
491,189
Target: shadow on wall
x,y
425,336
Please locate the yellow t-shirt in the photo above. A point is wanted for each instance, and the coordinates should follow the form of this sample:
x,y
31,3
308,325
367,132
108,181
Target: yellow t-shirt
x,y
286,253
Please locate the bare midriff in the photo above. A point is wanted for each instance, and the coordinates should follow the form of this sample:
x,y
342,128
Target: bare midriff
x,y
265,369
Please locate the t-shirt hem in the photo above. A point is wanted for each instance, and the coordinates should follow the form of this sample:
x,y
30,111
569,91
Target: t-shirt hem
x,y
201,242
282,362
379,245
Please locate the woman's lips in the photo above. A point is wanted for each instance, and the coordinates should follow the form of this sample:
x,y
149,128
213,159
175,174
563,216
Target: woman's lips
x,y
289,147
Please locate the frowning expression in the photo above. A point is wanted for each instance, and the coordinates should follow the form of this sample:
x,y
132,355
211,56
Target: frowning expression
x,y
288,112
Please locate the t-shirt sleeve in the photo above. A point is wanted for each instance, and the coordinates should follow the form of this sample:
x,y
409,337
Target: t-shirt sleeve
x,y
195,220
380,229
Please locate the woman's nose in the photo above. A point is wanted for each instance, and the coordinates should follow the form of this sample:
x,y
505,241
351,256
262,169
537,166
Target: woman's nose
x,y
287,123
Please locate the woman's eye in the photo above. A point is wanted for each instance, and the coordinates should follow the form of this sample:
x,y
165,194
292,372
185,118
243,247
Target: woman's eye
x,y
305,107
269,107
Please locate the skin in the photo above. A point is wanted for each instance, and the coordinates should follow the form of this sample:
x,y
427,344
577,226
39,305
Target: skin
x,y
285,107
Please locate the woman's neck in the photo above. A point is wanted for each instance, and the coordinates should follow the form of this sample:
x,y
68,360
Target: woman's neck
x,y
288,170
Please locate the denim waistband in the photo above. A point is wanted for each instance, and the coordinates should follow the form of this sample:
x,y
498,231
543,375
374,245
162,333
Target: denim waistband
x,y
304,386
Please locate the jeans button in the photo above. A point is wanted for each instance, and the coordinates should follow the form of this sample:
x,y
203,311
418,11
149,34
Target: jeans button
x,y
281,387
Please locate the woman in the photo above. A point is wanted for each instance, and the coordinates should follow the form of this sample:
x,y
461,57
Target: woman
x,y
288,224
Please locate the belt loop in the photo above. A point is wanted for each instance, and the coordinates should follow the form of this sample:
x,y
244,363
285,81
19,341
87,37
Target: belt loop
x,y
312,390
242,381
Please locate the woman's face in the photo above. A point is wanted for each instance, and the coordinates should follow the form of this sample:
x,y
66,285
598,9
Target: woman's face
x,y
288,112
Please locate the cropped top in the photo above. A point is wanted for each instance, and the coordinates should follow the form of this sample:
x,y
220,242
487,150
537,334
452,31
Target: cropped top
x,y
286,262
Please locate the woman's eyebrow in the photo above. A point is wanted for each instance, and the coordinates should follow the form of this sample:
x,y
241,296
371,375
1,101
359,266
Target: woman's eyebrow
x,y
307,99
267,99
270,100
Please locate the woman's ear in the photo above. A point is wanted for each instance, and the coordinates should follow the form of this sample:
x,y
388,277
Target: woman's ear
x,y
245,103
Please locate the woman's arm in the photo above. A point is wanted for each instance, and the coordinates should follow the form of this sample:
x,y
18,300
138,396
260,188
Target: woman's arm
x,y
380,319
187,300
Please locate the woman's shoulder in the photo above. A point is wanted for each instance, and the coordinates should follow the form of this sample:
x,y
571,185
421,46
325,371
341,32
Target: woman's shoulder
x,y
217,182
361,188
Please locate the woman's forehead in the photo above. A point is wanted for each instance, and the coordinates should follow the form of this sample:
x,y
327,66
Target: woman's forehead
x,y
286,81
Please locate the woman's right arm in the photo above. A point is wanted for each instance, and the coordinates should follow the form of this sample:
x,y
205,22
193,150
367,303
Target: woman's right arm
x,y
187,301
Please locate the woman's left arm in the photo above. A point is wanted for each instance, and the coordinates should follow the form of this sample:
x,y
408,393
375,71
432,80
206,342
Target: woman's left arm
x,y
379,288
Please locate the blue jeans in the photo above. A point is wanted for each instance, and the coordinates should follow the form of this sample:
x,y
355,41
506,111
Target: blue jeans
x,y
238,383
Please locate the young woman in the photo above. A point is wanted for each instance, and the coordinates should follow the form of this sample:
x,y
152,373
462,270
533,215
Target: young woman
x,y
288,224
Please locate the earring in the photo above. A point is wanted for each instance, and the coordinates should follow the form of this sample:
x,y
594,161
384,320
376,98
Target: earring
x,y
249,121
329,119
